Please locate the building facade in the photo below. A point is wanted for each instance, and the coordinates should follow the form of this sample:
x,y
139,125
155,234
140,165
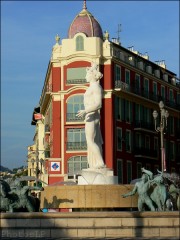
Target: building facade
x,y
133,87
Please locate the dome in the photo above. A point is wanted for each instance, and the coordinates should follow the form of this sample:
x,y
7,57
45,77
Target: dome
x,y
85,23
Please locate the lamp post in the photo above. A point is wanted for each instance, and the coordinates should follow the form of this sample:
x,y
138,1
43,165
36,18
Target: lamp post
x,y
37,170
164,114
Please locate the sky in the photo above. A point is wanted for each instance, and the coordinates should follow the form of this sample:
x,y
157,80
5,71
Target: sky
x,y
28,30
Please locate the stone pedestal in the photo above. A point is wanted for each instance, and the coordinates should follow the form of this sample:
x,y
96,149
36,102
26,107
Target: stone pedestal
x,y
97,176
90,225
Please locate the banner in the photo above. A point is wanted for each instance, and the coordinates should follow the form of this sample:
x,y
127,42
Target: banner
x,y
37,116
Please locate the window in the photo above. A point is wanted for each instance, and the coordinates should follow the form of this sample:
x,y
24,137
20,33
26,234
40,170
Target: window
x,y
74,104
171,95
171,125
120,109
76,164
137,83
119,139
138,140
178,98
120,170
146,87
139,172
127,77
154,90
172,151
128,111
148,166
137,112
76,139
76,75
129,171
128,140
178,151
79,43
156,146
117,73
147,142
163,92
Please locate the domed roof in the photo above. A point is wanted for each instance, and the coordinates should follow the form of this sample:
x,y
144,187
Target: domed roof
x,y
85,23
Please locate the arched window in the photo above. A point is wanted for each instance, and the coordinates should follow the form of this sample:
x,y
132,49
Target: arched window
x,y
74,104
76,164
79,43
76,139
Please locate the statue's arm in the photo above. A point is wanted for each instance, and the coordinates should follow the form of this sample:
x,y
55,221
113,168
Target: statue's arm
x,y
174,190
36,188
133,192
149,173
12,191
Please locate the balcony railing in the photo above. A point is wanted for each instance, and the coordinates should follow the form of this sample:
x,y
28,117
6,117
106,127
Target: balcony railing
x,y
145,152
133,61
143,125
76,81
74,146
146,94
71,117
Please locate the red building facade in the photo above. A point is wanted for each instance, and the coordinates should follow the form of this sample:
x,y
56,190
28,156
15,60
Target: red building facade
x,y
133,87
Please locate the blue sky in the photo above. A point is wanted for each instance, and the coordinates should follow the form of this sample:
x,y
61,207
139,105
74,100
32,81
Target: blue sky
x,y
28,30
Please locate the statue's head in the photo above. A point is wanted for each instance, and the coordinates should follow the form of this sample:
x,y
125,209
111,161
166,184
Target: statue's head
x,y
93,73
145,177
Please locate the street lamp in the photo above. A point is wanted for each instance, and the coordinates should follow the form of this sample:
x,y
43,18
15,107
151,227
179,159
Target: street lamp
x,y
162,125
37,170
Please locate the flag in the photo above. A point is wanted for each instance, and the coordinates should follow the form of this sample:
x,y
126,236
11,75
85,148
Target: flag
x,y
55,166
37,116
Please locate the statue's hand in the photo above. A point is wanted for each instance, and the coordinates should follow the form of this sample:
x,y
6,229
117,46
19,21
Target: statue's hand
x,y
124,195
81,113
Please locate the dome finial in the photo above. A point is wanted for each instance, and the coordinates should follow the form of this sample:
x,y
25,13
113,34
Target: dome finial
x,y
84,5
57,38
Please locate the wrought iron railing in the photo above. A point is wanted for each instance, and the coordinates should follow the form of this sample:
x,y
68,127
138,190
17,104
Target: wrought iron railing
x,y
71,117
76,146
145,152
146,94
76,81
143,125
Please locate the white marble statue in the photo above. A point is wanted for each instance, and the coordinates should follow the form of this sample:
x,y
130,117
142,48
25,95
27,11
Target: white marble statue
x,y
92,104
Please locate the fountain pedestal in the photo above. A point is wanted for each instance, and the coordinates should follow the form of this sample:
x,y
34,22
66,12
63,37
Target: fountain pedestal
x,y
97,176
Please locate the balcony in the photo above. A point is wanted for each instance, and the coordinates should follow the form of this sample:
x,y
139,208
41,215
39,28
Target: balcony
x,y
71,117
143,125
122,85
145,94
145,152
76,146
139,64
